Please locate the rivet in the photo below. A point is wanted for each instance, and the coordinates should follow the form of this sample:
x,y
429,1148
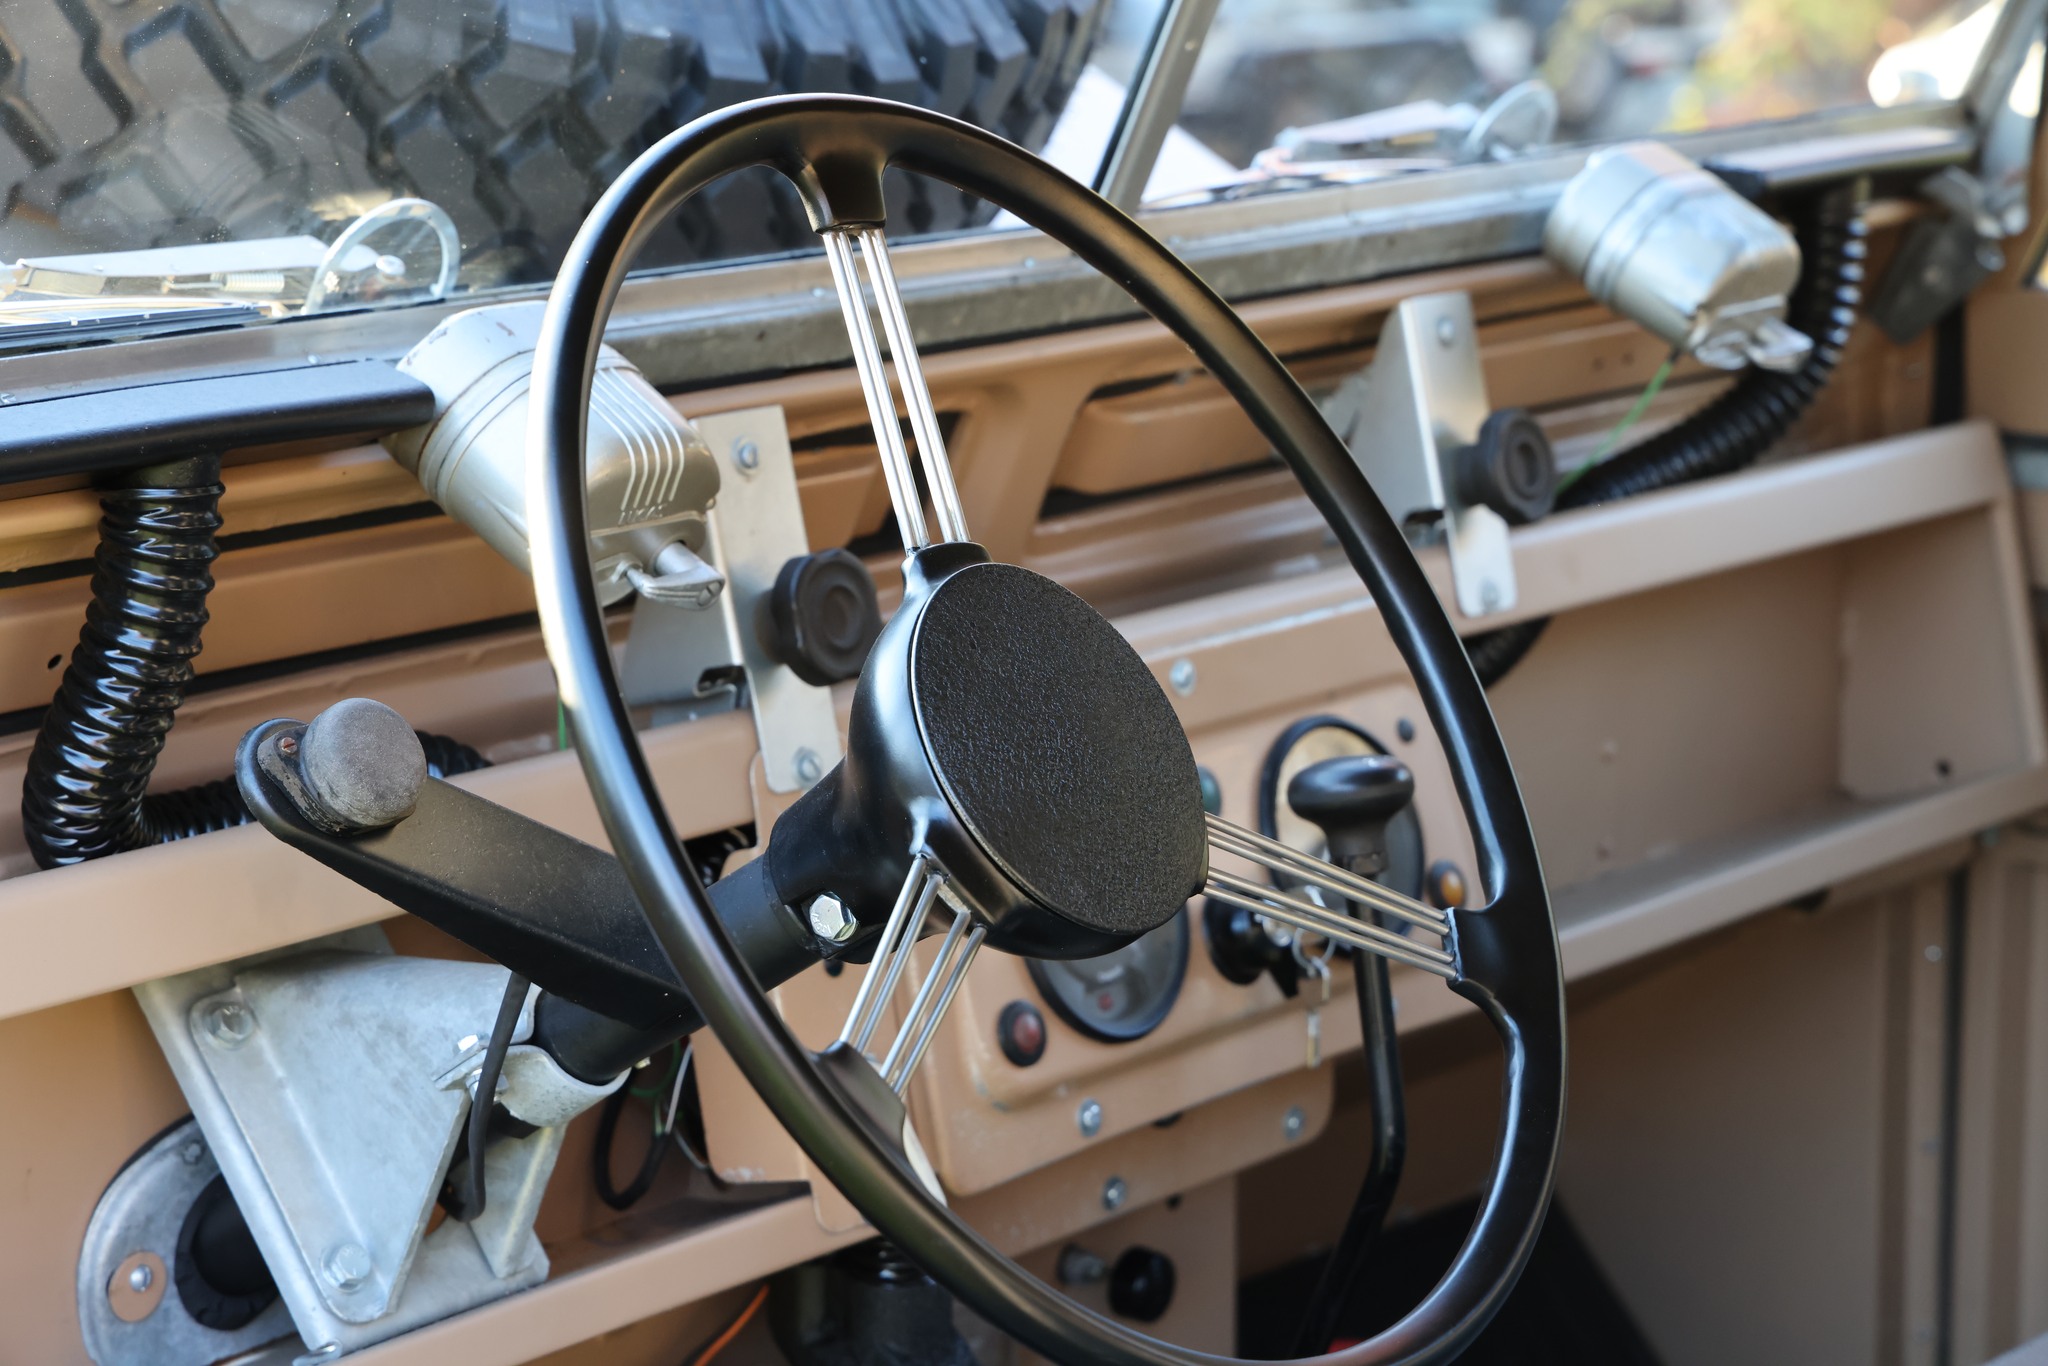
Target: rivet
x,y
141,1278
808,767
1293,1123
1405,729
1114,1193
1182,676
1089,1117
746,456
1446,331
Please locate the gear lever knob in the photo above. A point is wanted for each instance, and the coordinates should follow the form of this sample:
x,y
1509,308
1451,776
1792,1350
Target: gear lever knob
x,y
1353,798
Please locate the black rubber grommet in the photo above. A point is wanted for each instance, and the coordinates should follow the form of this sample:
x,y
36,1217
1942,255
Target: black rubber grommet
x,y
823,617
222,1279
1510,469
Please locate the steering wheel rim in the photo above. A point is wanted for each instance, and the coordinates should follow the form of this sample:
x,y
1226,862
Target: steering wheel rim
x,y
834,149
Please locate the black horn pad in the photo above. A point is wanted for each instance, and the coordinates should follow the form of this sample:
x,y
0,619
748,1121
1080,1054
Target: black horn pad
x,y
1058,750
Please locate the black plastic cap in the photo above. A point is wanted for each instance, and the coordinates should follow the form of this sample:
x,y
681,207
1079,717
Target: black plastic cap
x,y
1511,468
1141,1284
823,617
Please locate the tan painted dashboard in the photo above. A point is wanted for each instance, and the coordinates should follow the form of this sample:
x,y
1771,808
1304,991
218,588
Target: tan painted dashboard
x,y
1849,628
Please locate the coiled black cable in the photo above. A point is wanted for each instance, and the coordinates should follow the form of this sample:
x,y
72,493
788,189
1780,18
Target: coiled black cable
x,y
1738,427
85,794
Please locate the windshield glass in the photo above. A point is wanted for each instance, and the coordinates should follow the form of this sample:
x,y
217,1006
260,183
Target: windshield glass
x,y
215,161
1296,91
385,152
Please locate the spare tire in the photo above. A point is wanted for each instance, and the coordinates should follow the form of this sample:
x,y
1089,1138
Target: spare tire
x,y
126,126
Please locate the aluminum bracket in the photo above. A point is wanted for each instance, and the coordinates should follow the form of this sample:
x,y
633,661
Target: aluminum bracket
x,y
331,1081
1407,417
683,665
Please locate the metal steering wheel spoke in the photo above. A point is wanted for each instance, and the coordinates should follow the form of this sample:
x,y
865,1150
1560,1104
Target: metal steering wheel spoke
x,y
923,885
841,244
934,997
1336,886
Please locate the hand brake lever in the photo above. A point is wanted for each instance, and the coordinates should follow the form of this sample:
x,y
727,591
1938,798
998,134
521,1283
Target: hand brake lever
x,y
351,790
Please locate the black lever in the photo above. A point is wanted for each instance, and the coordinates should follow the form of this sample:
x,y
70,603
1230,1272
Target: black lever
x,y
351,790
1353,798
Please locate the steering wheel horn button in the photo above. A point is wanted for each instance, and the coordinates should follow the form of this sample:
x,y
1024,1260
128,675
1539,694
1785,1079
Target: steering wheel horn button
x,y
1008,734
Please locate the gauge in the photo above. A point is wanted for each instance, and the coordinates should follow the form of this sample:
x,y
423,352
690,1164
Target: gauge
x,y
1312,740
1118,996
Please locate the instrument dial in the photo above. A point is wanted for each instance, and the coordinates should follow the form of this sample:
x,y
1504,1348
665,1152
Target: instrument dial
x,y
1123,995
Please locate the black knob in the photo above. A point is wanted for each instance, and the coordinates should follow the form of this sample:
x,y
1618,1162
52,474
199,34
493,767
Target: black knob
x,y
823,617
360,767
1352,798
1244,948
1510,469
1141,1284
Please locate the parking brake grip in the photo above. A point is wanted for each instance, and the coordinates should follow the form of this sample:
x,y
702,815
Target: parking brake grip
x,y
1353,798
351,790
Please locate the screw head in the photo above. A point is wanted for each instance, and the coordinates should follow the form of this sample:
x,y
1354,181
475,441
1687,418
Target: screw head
x,y
230,1023
1114,1193
141,1277
1293,1123
1089,1116
746,456
1182,676
192,1152
348,1266
809,768
831,921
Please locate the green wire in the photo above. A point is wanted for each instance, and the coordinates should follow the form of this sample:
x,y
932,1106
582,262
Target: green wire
x,y
659,1090
561,726
1634,415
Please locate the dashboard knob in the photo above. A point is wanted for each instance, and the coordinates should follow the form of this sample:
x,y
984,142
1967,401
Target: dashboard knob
x,y
1352,798
823,617
1141,1284
1510,469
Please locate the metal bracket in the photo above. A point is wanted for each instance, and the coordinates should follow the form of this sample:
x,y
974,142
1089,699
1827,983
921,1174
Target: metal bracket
x,y
1949,253
129,1309
330,1080
1407,417
689,664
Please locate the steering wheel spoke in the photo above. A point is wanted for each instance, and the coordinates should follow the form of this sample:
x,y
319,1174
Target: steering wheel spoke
x,y
892,951
842,242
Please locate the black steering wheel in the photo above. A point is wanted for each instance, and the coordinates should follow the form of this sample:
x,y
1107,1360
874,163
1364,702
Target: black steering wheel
x,y
1054,805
